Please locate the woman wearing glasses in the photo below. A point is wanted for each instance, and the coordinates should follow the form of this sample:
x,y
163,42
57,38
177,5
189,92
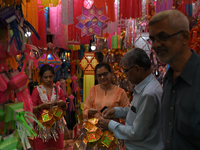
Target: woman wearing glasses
x,y
103,94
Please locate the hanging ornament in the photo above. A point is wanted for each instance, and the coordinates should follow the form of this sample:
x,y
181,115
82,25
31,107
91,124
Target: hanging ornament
x,y
69,90
74,84
88,3
71,103
7,14
92,21
18,83
88,63
49,57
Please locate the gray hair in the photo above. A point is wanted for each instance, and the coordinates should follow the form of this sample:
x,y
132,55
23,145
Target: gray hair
x,y
136,56
177,20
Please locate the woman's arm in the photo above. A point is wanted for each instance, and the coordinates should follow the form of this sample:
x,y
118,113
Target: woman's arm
x,y
35,100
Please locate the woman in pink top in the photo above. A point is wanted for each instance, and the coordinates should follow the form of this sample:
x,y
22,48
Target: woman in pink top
x,y
44,97
103,94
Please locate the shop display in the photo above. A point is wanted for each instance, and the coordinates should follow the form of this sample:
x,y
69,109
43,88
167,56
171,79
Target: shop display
x,y
73,37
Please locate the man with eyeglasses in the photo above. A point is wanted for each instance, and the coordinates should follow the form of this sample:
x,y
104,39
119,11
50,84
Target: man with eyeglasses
x,y
180,108
142,130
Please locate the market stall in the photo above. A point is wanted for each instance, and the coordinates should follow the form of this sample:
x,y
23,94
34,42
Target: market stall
x,y
72,36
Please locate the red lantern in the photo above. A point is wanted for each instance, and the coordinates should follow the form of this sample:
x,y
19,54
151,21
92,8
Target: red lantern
x,y
88,63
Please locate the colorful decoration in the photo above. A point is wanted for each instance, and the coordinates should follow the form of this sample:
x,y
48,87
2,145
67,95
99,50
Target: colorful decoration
x,y
18,81
7,14
71,103
92,21
11,143
47,119
194,41
88,63
74,84
88,3
141,42
95,137
4,81
49,57
69,89
52,121
16,117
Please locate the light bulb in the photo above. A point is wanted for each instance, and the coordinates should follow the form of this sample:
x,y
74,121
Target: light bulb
x,y
93,48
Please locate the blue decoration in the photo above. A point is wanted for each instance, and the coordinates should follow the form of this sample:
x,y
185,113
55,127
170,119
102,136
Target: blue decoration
x,y
50,57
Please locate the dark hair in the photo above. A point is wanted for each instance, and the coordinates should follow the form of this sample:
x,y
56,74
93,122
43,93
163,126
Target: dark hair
x,y
137,56
102,64
45,68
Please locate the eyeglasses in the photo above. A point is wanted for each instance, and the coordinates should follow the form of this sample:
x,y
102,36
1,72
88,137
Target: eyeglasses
x,y
126,70
103,74
160,39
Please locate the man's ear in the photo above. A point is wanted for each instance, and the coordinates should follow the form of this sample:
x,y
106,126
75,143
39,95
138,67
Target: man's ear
x,y
138,68
186,36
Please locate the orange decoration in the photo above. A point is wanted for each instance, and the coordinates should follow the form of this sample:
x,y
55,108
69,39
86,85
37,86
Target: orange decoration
x,y
88,63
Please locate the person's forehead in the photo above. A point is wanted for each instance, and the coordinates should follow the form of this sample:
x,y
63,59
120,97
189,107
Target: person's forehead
x,y
101,70
47,73
161,26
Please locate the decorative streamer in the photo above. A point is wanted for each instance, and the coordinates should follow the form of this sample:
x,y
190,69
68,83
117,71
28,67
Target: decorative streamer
x,y
73,68
63,86
54,27
74,83
71,103
130,9
41,30
64,12
8,15
46,15
70,12
59,38
69,90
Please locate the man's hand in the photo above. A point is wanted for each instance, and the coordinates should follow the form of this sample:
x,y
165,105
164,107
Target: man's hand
x,y
108,113
92,112
103,123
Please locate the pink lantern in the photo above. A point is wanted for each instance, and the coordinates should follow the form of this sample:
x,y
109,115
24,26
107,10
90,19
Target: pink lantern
x,y
49,57
88,3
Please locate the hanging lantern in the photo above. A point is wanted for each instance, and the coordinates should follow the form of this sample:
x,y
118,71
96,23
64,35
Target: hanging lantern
x,y
88,3
50,57
88,63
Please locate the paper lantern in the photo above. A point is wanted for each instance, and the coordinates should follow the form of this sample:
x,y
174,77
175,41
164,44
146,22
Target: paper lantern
x,y
49,57
92,21
141,42
88,63
88,3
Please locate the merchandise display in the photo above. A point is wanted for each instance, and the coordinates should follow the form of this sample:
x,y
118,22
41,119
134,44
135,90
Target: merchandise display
x,y
72,36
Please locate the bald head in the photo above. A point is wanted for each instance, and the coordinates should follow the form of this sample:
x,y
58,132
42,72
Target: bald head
x,y
177,20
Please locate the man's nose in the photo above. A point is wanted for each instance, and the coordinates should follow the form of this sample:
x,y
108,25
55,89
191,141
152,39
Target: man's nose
x,y
102,76
155,44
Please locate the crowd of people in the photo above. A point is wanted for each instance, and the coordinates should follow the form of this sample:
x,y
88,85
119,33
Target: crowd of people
x,y
158,118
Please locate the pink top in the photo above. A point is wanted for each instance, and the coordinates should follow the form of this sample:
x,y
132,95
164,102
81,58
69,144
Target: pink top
x,y
97,99
51,144
37,100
